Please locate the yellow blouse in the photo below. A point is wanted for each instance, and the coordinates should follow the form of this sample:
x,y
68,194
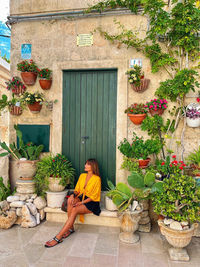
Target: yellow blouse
x,y
92,189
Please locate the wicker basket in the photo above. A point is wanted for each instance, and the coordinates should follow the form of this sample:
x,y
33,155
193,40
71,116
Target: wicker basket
x,y
143,86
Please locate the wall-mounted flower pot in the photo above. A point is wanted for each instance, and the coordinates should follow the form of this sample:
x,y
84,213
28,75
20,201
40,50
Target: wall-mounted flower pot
x,y
159,111
35,108
45,84
137,118
143,86
19,90
14,110
29,78
143,163
193,122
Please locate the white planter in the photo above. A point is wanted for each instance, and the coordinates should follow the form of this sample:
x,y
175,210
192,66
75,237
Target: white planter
x,y
193,122
109,204
54,185
55,199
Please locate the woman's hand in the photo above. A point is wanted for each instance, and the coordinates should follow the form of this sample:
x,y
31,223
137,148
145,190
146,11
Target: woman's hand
x,y
71,200
78,204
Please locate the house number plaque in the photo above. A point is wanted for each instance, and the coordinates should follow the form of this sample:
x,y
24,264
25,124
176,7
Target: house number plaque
x,y
85,39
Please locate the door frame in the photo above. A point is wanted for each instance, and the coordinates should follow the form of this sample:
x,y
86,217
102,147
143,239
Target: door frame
x,y
122,91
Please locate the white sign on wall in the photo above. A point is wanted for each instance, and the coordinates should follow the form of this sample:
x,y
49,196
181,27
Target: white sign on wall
x,y
135,61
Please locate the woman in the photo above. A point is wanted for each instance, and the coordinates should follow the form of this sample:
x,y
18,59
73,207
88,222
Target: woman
x,y
85,199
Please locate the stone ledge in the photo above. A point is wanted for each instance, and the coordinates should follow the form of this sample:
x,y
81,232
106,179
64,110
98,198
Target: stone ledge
x,y
106,218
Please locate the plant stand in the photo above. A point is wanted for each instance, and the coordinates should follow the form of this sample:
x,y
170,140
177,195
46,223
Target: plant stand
x,y
25,187
129,224
178,254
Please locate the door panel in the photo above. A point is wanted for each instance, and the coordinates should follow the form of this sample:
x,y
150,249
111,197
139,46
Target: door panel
x,y
89,119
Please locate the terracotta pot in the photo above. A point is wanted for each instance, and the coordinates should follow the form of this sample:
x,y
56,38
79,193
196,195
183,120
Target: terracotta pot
x,y
18,90
54,185
14,110
45,84
35,108
177,238
143,163
156,112
144,84
27,168
137,118
129,224
29,78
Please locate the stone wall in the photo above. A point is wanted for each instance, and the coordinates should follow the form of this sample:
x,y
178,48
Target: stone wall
x,y
54,46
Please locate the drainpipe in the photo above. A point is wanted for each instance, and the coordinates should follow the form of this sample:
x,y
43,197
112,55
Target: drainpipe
x,y
69,15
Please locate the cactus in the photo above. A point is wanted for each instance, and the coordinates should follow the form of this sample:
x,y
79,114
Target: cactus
x,y
145,185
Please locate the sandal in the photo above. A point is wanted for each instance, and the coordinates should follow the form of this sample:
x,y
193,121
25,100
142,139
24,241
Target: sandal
x,y
56,239
70,231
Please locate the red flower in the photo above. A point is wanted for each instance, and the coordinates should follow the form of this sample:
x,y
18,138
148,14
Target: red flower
x,y
180,168
170,165
174,156
53,160
198,99
184,165
163,163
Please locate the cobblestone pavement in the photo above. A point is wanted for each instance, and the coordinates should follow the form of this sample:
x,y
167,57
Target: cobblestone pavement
x,y
89,246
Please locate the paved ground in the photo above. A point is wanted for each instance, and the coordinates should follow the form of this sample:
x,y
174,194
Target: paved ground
x,y
89,246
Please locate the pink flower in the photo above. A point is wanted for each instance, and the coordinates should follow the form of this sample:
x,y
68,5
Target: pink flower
x,y
198,99
164,106
161,101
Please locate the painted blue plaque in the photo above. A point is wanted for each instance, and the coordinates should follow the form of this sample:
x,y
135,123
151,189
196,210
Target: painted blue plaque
x,y
26,51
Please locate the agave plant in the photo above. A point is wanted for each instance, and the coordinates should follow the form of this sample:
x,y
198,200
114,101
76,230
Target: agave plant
x,y
144,186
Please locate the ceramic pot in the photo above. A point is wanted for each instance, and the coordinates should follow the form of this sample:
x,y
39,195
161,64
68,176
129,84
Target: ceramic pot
x,y
54,185
27,168
18,90
143,163
35,108
137,118
193,122
29,78
129,224
45,84
144,84
159,111
109,204
14,110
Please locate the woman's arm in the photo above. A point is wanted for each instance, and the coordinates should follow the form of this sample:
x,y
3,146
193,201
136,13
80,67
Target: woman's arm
x,y
82,202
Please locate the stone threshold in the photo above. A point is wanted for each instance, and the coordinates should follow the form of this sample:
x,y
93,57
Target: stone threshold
x,y
106,218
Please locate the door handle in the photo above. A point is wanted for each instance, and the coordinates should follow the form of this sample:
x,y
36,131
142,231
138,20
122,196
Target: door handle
x,y
84,138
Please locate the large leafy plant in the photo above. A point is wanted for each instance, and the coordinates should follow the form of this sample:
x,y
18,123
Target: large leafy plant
x,y
5,191
194,157
180,199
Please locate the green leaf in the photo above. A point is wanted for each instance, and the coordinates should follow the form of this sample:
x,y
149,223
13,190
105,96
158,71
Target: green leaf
x,y
117,199
4,154
124,189
149,179
157,187
136,180
110,185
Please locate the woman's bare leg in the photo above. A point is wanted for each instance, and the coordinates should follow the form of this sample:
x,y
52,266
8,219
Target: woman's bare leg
x,y
69,223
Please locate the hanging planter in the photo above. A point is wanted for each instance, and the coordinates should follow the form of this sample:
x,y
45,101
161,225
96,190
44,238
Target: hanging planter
x,y
137,118
16,86
45,78
144,84
35,108
136,113
15,110
45,84
156,106
29,71
193,115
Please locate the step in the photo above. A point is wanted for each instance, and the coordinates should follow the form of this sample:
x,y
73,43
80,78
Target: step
x,y
106,218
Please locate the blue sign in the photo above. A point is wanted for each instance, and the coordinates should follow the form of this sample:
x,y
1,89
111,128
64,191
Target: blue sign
x,y
26,51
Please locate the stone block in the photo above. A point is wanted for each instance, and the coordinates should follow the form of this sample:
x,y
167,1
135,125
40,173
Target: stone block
x,y
27,219
144,220
7,221
13,198
177,254
16,204
4,205
145,228
40,203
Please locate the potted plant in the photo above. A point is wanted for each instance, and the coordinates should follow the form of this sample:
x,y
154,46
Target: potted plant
x,y
179,203
156,106
29,71
33,100
193,116
26,155
57,171
16,86
45,78
136,79
140,149
194,160
126,201
15,105
136,113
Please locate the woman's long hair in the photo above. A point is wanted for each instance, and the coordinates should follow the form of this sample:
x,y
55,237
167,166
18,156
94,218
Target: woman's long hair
x,y
94,165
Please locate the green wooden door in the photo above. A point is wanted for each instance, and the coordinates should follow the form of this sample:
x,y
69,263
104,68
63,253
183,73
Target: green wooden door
x,y
89,119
